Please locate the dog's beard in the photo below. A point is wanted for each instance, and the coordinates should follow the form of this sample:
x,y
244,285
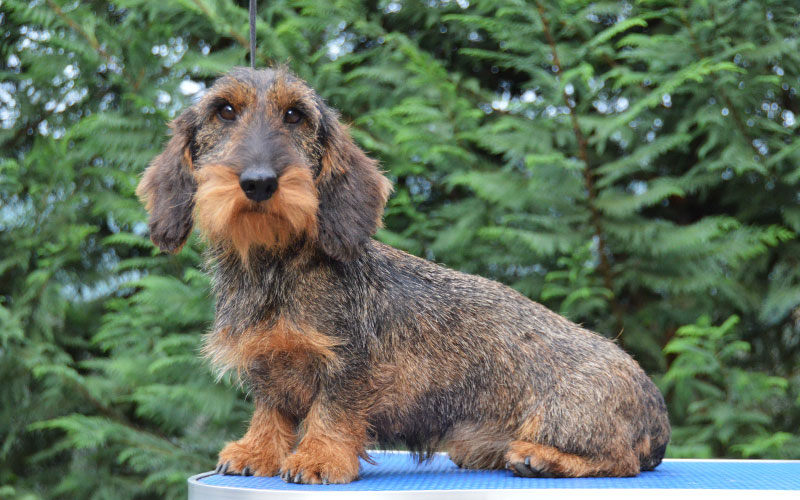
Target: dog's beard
x,y
224,214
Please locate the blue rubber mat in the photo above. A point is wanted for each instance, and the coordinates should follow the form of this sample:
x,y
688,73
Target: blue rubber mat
x,y
399,472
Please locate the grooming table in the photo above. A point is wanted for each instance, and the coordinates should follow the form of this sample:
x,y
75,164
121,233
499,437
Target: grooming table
x,y
398,477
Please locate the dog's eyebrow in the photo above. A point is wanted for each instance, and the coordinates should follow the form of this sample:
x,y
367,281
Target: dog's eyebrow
x,y
302,105
218,100
232,91
286,93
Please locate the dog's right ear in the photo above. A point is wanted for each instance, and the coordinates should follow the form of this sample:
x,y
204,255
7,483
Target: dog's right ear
x,y
168,187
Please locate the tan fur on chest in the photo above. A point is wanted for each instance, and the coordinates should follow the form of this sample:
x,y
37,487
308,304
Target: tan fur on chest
x,y
286,343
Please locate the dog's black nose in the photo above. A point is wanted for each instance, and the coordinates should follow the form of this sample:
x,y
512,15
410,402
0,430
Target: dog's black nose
x,y
259,183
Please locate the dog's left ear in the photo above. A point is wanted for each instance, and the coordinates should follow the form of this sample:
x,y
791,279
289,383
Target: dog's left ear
x,y
168,187
352,192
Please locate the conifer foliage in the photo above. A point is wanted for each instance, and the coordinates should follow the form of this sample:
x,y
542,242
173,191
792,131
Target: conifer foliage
x,y
634,165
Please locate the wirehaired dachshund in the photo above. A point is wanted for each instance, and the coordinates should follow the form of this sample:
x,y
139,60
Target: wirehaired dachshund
x,y
348,343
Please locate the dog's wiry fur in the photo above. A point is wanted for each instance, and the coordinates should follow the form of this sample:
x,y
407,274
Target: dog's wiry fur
x,y
349,343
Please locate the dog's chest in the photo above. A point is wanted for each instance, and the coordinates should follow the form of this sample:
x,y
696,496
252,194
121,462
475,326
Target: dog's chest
x,y
282,358
286,381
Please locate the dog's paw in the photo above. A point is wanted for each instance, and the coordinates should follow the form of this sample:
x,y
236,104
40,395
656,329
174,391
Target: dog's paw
x,y
321,468
525,460
240,458
525,468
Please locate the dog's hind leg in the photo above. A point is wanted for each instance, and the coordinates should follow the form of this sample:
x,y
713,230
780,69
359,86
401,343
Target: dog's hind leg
x,y
472,446
528,459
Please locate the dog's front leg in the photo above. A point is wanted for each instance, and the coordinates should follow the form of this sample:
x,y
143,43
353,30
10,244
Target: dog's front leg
x,y
268,441
328,452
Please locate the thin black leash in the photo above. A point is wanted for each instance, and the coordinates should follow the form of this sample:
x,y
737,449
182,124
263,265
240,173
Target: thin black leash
x,y
253,34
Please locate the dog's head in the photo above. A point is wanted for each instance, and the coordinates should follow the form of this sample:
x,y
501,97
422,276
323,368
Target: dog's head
x,y
260,160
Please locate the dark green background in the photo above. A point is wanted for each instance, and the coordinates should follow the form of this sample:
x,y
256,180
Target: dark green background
x,y
633,165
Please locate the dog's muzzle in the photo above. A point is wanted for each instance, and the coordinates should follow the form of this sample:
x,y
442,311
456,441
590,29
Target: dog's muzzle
x,y
258,183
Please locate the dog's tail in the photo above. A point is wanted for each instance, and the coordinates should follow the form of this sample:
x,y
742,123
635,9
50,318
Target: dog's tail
x,y
659,433
653,460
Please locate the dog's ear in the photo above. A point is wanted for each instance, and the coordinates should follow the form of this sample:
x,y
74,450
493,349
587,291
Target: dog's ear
x,y
167,187
352,192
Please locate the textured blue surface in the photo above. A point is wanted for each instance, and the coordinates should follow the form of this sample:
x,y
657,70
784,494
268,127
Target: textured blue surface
x,y
399,472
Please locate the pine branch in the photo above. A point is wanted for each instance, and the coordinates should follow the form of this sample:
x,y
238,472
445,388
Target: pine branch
x,y
78,29
234,34
701,54
588,179
135,84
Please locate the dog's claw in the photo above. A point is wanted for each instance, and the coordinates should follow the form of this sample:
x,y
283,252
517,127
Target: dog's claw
x,y
286,475
528,461
325,481
223,468
246,471
523,470
298,478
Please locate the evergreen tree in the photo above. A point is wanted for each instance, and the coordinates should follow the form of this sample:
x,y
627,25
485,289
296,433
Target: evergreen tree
x,y
634,165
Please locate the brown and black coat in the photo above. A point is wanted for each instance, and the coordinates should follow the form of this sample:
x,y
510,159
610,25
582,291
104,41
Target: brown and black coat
x,y
349,343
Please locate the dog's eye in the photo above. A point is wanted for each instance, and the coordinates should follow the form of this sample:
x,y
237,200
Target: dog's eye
x,y
226,112
293,116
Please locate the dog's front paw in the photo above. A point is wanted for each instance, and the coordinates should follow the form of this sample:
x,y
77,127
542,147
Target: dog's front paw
x,y
241,457
323,465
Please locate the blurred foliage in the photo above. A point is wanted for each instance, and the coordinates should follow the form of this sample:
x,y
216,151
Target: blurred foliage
x,y
722,405
634,165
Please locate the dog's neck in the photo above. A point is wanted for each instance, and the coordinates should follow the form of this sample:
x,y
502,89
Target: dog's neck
x,y
266,285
